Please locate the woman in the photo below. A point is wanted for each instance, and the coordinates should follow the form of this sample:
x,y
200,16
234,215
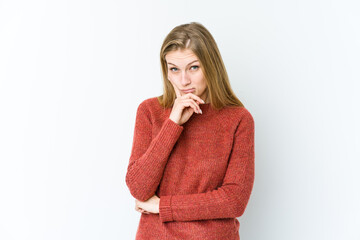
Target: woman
x,y
191,168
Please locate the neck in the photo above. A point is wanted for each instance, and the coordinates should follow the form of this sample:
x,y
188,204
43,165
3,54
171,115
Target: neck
x,y
205,97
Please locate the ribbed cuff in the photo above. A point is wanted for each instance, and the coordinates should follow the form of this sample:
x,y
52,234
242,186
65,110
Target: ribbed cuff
x,y
169,133
165,209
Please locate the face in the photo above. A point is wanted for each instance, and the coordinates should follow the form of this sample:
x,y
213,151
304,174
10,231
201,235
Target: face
x,y
185,72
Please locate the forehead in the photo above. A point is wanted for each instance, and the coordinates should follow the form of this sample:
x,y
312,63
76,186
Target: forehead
x,y
180,56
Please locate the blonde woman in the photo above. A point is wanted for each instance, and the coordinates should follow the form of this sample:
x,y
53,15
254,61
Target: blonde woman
x,y
191,168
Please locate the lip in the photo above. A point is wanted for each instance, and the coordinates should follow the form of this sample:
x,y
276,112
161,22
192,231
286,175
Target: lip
x,y
188,90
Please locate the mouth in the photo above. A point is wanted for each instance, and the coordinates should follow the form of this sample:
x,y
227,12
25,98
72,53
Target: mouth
x,y
188,90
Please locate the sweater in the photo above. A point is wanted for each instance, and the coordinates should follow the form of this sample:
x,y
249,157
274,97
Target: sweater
x,y
202,171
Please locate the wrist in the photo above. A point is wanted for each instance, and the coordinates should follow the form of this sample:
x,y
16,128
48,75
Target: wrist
x,y
174,121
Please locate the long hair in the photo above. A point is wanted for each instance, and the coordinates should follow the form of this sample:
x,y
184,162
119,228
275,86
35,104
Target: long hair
x,y
196,37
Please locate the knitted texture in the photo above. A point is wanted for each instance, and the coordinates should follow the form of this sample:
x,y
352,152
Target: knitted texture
x,y
202,170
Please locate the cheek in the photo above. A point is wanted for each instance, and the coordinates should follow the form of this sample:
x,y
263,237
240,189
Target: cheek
x,y
200,80
174,78
199,76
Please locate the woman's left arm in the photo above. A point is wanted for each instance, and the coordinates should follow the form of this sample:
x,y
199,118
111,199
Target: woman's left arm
x,y
227,201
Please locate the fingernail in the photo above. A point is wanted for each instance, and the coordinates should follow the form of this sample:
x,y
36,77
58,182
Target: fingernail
x,y
200,111
203,101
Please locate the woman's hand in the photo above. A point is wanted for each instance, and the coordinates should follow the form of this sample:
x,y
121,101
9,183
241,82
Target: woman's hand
x,y
184,106
149,206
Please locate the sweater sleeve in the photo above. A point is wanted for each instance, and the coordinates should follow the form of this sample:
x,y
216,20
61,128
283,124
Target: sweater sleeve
x,y
149,156
227,201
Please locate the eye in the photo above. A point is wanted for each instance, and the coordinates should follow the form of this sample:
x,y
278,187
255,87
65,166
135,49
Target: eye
x,y
171,69
196,67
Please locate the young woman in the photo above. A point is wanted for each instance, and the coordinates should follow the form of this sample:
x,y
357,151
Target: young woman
x,y
191,168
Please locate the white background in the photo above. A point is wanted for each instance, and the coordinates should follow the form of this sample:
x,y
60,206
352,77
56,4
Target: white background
x,y
72,74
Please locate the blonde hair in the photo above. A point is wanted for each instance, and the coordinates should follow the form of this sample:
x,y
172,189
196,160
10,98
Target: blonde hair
x,y
197,38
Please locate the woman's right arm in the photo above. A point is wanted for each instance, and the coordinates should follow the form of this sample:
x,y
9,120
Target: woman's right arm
x,y
149,156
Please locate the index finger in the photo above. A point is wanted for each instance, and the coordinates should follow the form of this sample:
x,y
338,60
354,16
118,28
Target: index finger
x,y
177,91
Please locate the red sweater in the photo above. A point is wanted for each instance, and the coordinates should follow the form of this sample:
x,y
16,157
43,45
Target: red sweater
x,y
202,170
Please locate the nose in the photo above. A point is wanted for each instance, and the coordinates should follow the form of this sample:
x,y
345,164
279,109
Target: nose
x,y
185,79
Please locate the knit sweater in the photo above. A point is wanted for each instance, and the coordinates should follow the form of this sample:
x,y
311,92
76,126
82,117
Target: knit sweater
x,y
202,170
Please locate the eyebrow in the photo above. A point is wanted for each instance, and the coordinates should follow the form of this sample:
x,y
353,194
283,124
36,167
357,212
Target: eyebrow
x,y
186,65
